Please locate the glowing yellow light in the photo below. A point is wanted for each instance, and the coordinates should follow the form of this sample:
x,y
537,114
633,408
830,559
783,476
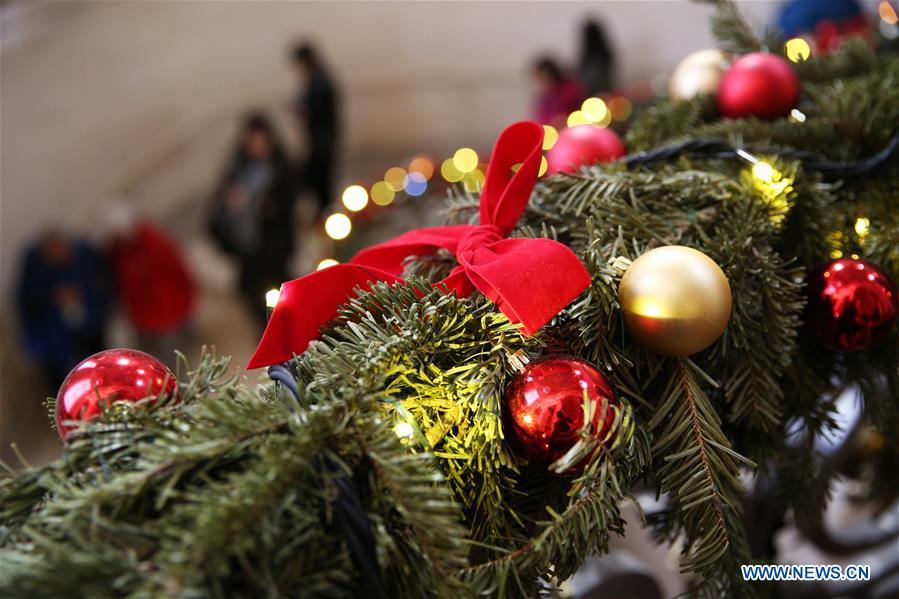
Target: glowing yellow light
x,y
763,172
326,263
382,193
474,180
648,307
887,13
797,115
620,108
355,198
450,172
465,160
404,430
528,419
595,109
271,297
396,178
422,165
577,118
854,257
338,226
861,226
543,166
798,49
835,254
550,136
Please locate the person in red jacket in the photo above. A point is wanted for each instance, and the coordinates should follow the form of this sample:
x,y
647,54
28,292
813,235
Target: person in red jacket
x,y
154,284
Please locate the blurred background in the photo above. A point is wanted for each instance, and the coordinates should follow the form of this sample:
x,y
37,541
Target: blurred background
x,y
146,145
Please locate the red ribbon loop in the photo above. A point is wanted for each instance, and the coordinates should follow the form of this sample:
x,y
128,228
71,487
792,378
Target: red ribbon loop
x,y
529,280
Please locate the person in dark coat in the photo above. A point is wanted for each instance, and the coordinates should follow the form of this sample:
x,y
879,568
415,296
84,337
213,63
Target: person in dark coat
x,y
597,66
316,107
63,301
252,212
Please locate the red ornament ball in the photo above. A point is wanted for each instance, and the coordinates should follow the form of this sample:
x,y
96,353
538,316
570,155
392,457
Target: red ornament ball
x,y
852,304
758,84
583,144
543,406
111,375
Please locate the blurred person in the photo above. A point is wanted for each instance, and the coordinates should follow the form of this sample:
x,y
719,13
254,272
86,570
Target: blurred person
x,y
156,288
316,107
252,212
557,93
597,67
63,301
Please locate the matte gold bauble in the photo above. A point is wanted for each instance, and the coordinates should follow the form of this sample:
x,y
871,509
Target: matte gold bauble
x,y
676,301
698,73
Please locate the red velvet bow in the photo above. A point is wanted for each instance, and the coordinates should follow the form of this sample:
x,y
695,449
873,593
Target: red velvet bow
x,y
529,280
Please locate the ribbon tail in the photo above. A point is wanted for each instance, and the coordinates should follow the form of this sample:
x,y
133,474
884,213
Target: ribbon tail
x,y
306,305
529,280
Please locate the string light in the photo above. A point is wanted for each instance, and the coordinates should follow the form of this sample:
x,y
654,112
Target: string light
x,y
382,193
797,115
415,184
595,110
355,198
326,263
862,225
798,49
465,160
450,172
422,165
577,118
621,108
762,171
474,180
404,430
271,297
396,178
887,13
550,137
338,226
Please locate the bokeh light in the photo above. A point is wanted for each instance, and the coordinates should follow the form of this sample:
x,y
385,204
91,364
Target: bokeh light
x,y
403,430
798,49
271,297
474,180
465,160
577,118
595,110
422,165
620,108
415,184
543,166
450,172
326,263
797,115
861,226
355,198
396,178
338,226
382,193
550,137
763,172
887,13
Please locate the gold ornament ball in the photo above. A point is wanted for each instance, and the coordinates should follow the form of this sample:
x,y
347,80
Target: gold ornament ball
x,y
676,301
698,73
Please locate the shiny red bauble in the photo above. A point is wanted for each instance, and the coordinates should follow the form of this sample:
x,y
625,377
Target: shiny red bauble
x,y
543,406
852,304
111,375
758,84
583,144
